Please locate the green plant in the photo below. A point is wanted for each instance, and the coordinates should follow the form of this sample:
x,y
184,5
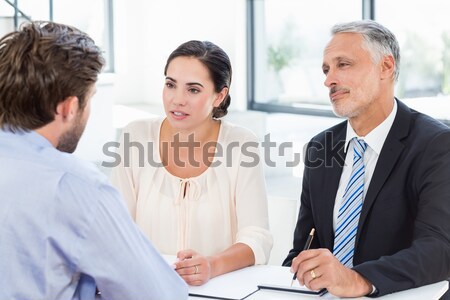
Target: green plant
x,y
282,53
280,56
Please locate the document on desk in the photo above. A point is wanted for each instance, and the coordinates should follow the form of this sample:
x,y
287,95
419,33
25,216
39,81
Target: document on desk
x,y
235,285
240,284
277,282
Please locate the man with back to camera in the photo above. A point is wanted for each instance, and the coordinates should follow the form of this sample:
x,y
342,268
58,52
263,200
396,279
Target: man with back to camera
x,y
63,229
382,219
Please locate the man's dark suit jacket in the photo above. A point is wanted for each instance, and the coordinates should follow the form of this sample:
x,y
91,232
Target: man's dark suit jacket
x,y
403,238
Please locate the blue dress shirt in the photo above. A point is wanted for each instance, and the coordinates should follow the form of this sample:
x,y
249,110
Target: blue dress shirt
x,y
65,230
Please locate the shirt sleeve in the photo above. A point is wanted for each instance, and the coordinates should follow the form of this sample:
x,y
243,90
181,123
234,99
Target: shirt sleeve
x,y
251,202
113,251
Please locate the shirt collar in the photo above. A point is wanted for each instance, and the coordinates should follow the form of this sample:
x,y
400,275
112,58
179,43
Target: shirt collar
x,y
38,139
32,137
374,139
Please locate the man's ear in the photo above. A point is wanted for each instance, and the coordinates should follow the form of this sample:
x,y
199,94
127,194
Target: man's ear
x,y
387,67
67,110
220,97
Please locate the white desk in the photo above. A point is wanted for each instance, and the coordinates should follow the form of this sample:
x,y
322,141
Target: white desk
x,y
239,284
428,292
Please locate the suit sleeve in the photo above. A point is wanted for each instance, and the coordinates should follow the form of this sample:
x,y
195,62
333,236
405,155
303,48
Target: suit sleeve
x,y
427,260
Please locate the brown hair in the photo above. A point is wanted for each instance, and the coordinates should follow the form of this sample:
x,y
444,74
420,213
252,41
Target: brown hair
x,y
217,62
41,65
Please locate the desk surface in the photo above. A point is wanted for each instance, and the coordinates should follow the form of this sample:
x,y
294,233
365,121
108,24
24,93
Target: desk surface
x,y
429,292
241,283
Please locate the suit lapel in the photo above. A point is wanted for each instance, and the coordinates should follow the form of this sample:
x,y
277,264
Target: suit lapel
x,y
389,155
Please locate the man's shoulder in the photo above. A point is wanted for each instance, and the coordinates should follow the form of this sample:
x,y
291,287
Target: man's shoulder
x,y
45,161
83,170
51,160
428,125
421,125
85,184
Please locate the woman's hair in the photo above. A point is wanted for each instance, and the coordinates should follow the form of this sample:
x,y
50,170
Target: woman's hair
x,y
217,62
41,65
379,40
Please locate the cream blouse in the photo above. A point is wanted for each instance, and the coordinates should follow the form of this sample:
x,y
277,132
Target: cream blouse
x,y
226,204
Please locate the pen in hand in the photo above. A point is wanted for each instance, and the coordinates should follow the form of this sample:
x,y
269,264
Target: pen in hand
x,y
307,245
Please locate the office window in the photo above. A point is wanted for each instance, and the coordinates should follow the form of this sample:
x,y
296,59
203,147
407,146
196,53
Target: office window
x,y
288,41
423,31
91,16
287,38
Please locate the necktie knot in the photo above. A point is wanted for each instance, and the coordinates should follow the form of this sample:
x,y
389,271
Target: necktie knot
x,y
359,147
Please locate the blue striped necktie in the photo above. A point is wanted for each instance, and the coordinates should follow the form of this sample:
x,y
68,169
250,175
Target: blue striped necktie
x,y
350,210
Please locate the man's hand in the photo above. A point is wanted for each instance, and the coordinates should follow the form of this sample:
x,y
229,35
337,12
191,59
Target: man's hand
x,y
318,268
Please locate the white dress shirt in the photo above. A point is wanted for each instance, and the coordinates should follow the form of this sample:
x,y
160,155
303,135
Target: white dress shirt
x,y
65,230
375,141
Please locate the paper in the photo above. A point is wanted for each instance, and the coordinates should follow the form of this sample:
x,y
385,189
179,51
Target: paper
x,y
239,284
280,279
233,285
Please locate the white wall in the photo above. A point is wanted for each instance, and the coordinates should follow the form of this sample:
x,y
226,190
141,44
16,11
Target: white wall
x,y
146,32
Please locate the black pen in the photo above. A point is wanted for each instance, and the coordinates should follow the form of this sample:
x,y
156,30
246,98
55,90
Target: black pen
x,y
307,245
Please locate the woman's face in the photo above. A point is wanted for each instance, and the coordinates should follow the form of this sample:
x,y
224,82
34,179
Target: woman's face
x,y
189,95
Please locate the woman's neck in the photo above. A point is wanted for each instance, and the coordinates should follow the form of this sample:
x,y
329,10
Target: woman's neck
x,y
204,133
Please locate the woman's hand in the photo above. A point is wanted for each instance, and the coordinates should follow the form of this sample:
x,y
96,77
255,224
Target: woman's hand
x,y
197,269
193,267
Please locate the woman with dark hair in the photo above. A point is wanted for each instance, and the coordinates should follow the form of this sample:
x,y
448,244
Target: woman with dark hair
x,y
194,183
